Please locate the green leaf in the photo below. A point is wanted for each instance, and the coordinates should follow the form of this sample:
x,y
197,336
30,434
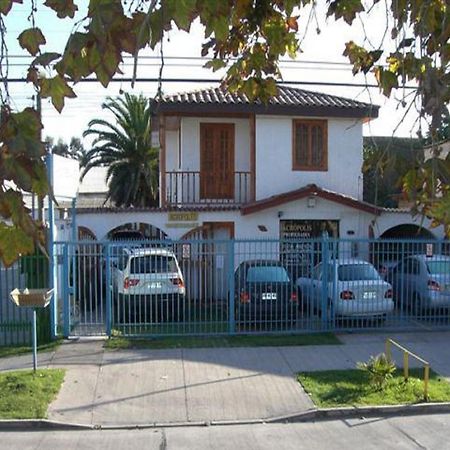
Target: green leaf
x,y
183,12
57,89
14,243
386,79
215,64
63,8
31,39
110,59
45,59
345,9
20,133
361,59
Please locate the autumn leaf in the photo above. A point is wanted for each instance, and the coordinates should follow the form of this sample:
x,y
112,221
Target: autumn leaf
x,y
6,5
31,39
13,243
57,89
65,8
345,9
45,59
183,12
20,133
292,23
386,80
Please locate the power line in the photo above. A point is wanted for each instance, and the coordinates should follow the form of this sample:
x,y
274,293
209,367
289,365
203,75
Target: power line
x,y
217,80
202,58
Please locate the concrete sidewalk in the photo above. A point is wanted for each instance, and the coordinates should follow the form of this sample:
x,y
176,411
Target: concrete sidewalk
x,y
136,387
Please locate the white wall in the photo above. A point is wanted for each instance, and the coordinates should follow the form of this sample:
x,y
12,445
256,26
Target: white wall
x,y
274,174
393,218
171,151
246,227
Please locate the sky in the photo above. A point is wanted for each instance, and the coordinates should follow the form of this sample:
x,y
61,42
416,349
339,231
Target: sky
x,y
320,61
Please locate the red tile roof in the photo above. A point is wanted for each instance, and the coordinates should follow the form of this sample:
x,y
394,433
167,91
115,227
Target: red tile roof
x,y
308,191
288,101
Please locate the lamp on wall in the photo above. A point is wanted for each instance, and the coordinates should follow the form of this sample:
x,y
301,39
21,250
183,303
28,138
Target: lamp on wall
x,y
280,214
311,202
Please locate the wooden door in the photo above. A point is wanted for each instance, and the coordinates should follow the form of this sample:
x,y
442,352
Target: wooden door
x,y
216,161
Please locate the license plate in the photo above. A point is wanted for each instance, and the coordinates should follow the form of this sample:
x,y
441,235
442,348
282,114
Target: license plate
x,y
269,296
369,295
154,285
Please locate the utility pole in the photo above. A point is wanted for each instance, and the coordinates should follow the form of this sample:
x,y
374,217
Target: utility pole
x,y
40,202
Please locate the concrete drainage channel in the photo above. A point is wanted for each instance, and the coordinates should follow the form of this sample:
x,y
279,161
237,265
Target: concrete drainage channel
x,y
307,416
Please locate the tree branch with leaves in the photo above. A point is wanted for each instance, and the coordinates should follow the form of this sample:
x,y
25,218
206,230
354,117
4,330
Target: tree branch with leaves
x,y
247,38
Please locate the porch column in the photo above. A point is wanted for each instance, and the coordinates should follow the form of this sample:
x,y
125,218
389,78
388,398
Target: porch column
x,y
252,122
162,161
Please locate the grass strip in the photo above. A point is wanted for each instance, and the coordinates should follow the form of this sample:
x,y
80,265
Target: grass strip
x,y
120,343
352,387
16,350
26,395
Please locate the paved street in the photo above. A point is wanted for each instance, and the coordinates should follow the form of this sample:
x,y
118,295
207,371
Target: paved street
x,y
137,387
417,432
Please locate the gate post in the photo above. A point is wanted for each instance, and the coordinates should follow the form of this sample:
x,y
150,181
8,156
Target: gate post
x,y
65,291
324,287
108,290
231,306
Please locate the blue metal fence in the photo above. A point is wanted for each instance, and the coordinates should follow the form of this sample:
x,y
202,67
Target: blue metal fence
x,y
205,287
15,323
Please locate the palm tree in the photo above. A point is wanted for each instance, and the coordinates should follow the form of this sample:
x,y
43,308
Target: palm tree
x,y
125,148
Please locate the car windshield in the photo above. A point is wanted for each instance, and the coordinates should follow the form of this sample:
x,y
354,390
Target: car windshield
x,y
354,272
439,267
267,274
152,264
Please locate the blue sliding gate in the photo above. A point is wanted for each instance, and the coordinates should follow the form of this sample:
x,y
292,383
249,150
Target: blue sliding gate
x,y
212,287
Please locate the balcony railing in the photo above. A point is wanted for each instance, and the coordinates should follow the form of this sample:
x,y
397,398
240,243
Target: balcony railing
x,y
190,188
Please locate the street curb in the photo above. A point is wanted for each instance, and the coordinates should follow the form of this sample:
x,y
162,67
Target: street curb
x,y
362,412
311,415
40,425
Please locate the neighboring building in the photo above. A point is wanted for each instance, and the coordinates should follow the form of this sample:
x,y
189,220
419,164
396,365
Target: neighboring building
x,y
443,149
234,168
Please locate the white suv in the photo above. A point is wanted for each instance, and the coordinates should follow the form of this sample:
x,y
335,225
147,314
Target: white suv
x,y
147,284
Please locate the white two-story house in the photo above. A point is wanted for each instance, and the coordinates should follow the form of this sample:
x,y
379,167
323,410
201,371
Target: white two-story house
x,y
291,168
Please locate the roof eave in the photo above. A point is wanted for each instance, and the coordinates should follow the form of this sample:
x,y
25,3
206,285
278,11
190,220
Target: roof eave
x,y
310,190
371,112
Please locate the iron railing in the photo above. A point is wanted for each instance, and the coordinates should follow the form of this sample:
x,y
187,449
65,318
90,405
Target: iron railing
x,y
186,188
209,287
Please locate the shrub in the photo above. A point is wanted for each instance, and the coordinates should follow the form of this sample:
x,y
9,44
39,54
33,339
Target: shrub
x,y
380,369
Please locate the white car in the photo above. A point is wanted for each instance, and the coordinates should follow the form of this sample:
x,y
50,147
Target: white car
x,y
422,282
353,288
148,283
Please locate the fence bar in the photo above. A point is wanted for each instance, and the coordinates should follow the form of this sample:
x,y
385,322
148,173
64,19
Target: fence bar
x,y
324,296
108,291
51,251
231,287
65,292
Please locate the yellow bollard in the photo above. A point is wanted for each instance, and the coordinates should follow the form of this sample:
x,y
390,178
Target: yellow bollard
x,y
426,377
388,350
405,366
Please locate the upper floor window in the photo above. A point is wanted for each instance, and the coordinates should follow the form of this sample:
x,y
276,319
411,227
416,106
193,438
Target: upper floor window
x,y
310,146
